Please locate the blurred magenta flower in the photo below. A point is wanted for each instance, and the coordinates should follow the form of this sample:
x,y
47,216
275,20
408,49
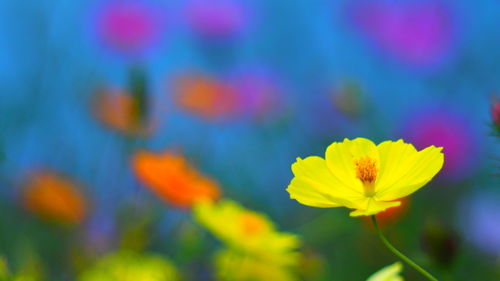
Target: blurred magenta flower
x,y
419,33
258,93
217,18
129,27
451,130
495,114
480,215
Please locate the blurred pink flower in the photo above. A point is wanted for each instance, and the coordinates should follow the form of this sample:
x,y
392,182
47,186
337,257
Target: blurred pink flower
x,y
128,26
495,113
217,18
258,93
419,33
451,130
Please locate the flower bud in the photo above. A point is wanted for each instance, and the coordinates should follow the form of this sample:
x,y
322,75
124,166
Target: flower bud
x,y
495,114
441,243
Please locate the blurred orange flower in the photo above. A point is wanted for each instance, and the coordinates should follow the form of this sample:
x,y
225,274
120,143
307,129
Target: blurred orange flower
x,y
54,198
205,97
171,177
119,110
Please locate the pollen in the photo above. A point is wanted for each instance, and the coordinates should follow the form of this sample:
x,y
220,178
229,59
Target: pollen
x,y
366,171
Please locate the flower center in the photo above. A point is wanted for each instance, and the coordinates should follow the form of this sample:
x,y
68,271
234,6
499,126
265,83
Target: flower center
x,y
366,172
251,224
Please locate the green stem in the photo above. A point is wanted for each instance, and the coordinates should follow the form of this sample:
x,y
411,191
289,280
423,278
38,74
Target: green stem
x,y
399,254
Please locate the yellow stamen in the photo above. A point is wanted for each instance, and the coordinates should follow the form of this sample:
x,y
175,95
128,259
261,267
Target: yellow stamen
x,y
366,172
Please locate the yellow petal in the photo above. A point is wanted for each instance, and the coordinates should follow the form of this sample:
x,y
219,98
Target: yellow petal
x,y
373,207
340,159
407,174
396,159
314,185
388,273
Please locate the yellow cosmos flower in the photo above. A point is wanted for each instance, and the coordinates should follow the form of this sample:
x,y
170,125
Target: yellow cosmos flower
x,y
360,175
248,232
231,265
388,273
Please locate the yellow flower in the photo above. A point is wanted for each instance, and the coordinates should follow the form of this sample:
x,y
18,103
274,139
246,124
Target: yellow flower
x,y
248,232
360,175
388,273
30,269
131,266
234,266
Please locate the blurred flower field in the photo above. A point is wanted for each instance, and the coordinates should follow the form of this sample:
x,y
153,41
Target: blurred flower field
x,y
250,140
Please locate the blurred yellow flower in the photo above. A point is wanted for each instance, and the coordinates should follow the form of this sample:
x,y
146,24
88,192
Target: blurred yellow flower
x,y
131,266
30,267
360,175
388,273
248,232
234,266
4,271
172,178
54,198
